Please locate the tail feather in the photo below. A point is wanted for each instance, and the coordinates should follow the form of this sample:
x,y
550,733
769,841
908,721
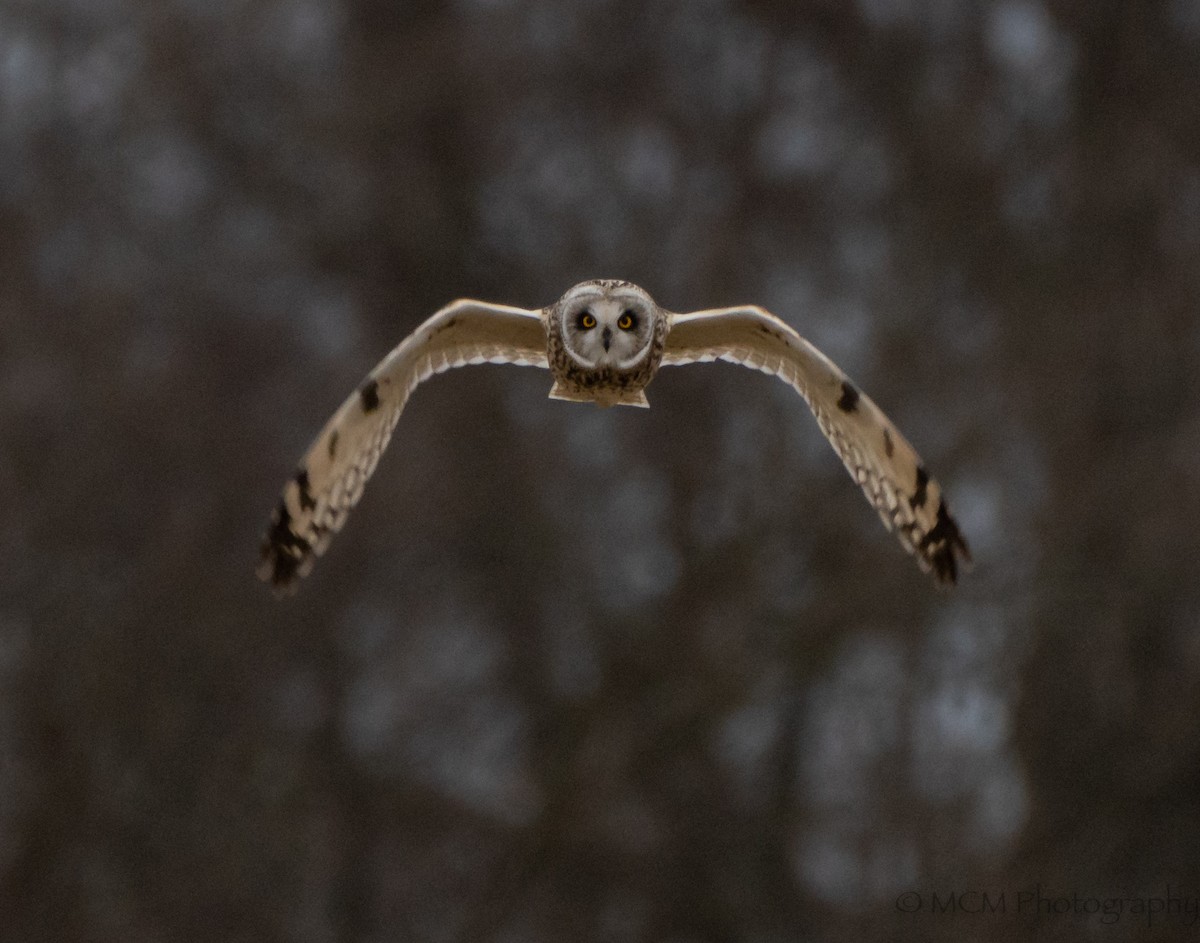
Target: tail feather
x,y
601,397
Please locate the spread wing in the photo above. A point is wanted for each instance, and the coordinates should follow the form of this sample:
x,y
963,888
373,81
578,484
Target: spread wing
x,y
329,479
877,456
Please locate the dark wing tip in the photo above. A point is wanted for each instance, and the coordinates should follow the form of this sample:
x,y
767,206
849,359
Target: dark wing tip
x,y
942,547
283,553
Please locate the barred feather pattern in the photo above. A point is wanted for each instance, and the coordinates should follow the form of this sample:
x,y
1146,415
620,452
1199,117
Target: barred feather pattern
x,y
329,480
887,468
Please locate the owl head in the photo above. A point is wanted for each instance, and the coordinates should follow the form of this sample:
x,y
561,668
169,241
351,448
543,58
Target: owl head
x,y
607,324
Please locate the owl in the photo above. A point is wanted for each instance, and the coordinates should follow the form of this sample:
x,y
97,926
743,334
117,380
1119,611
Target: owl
x,y
603,342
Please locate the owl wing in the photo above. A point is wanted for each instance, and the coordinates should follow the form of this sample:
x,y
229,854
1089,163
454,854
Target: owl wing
x,y
329,479
877,456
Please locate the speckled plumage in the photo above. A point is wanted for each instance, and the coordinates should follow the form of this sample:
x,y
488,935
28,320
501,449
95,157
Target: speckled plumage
x,y
605,385
604,341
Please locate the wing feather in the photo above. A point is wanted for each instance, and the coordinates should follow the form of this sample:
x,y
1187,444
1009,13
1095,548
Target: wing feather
x,y
330,478
878,457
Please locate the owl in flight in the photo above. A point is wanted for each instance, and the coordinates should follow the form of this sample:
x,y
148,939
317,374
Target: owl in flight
x,y
603,342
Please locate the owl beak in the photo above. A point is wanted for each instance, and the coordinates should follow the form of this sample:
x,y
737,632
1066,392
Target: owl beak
x,y
606,337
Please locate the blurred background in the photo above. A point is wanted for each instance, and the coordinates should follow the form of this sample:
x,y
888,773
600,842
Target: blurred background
x,y
572,674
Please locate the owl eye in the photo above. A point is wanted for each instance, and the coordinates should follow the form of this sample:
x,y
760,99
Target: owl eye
x,y
627,321
587,320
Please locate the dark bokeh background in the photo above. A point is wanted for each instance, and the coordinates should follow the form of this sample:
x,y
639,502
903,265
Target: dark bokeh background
x,y
573,674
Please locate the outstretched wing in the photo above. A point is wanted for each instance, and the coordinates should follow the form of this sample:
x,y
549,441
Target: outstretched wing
x,y
329,479
877,456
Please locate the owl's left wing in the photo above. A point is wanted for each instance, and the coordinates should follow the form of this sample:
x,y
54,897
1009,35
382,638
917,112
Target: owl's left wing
x,y
329,479
877,456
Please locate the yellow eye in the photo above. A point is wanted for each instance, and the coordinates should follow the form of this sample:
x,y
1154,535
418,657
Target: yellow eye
x,y
625,323
587,321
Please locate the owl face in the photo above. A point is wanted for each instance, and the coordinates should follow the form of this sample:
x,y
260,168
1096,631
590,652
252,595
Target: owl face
x,y
607,324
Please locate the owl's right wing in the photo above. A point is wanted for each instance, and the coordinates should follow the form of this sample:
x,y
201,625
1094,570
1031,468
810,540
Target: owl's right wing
x,y
877,456
329,479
